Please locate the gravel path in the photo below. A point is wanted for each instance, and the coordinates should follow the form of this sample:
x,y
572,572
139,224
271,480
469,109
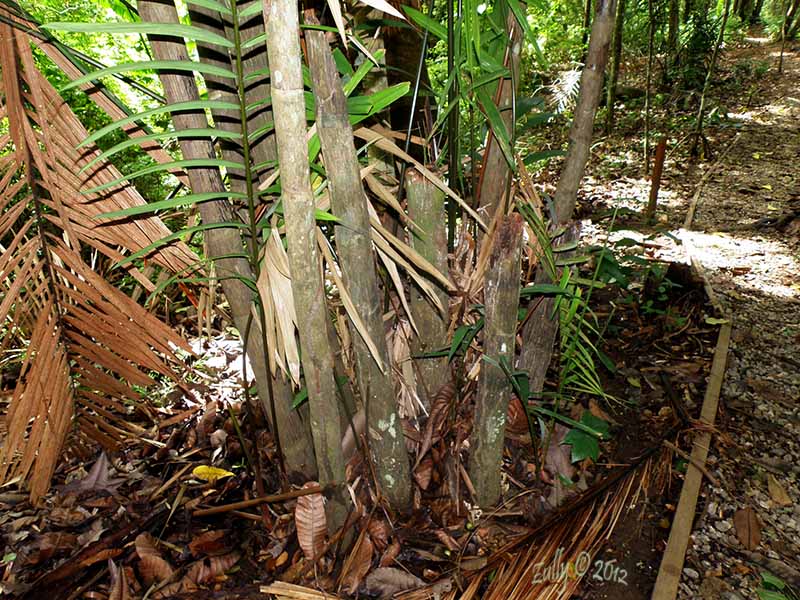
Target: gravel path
x,y
745,237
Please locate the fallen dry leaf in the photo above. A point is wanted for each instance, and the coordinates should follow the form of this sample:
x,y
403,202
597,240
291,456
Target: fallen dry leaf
x,y
778,492
387,581
358,565
392,552
748,529
379,533
118,590
309,517
97,480
209,543
209,569
424,472
152,567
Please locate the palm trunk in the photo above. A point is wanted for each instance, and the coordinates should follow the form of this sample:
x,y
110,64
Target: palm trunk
x,y
501,292
354,245
495,169
225,245
289,110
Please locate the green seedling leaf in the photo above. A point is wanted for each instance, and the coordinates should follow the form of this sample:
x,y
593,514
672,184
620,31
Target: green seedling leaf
x,y
715,321
585,445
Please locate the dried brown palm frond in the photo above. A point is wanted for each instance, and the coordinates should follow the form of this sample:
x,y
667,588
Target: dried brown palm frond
x,y
84,345
574,535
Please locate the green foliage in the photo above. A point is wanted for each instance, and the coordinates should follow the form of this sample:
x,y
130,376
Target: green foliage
x,y
585,445
774,588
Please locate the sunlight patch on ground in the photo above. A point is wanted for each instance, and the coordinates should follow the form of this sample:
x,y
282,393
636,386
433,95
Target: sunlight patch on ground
x,y
758,40
763,259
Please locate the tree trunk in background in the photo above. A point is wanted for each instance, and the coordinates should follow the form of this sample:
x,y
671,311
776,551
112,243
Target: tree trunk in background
x,y
403,55
501,299
295,435
587,22
539,333
495,170
672,38
688,7
289,109
580,134
616,61
354,245
425,208
701,112
649,85
263,148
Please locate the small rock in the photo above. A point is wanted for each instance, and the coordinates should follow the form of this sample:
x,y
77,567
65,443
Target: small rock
x,y
691,573
723,526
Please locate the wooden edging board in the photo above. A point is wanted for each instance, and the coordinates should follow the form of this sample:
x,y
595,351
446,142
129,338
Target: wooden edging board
x,y
669,573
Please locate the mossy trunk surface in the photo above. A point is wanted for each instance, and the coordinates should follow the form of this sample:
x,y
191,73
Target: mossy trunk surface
x,y
357,260
426,209
289,110
501,299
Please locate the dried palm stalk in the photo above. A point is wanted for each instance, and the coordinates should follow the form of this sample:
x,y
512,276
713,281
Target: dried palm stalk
x,y
83,344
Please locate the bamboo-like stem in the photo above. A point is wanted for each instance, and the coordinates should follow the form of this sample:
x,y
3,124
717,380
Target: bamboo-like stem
x,y
288,105
495,170
356,255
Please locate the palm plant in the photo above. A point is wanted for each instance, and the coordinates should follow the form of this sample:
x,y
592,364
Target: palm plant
x,y
79,346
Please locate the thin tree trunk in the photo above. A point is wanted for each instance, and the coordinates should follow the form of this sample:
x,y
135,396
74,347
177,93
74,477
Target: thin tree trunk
x,y
227,243
616,61
701,112
288,107
649,84
688,8
580,135
354,245
587,22
540,330
783,36
425,206
672,38
495,170
501,299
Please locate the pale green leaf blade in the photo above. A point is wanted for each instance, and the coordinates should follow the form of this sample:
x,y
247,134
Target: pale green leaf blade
x,y
169,29
152,65
177,107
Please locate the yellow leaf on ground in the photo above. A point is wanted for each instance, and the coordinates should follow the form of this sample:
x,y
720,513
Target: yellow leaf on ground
x,y
210,474
778,492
